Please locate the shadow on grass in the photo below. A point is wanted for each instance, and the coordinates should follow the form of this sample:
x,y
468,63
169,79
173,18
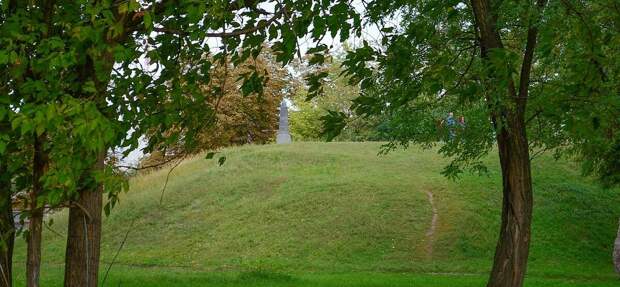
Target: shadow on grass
x,y
265,276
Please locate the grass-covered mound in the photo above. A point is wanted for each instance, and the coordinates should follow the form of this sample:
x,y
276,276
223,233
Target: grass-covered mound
x,y
337,214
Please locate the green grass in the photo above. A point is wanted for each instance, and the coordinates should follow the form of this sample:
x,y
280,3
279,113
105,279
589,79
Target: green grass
x,y
336,214
165,277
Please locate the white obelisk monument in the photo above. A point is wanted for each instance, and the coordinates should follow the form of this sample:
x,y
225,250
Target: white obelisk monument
x,y
284,137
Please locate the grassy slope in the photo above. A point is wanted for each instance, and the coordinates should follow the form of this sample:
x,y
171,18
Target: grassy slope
x,y
315,209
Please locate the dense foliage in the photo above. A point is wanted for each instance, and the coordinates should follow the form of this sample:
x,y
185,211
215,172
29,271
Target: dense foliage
x,y
527,76
308,113
573,104
84,77
234,118
87,76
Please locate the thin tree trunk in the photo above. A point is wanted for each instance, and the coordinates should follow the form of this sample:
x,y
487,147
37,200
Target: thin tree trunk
x,y
84,236
33,257
617,251
7,223
33,260
7,228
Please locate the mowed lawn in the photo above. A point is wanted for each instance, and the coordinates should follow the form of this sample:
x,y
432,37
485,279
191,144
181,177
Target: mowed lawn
x,y
337,214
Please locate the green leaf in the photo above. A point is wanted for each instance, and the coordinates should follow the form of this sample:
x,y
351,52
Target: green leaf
x,y
4,57
333,123
148,21
106,209
317,59
89,87
252,84
210,155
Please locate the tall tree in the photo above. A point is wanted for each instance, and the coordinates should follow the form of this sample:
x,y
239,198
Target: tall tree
x,y
35,225
512,69
13,11
94,75
509,120
7,228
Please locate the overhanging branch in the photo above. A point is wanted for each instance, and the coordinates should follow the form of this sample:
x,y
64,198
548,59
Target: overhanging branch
x,y
234,33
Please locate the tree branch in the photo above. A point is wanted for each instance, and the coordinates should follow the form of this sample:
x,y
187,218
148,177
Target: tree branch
x,y
528,58
136,17
118,251
584,21
163,190
150,166
233,33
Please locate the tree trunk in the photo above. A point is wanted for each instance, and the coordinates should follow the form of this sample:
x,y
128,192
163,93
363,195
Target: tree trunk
x,y
617,251
84,236
512,250
511,253
33,260
83,241
7,228
35,227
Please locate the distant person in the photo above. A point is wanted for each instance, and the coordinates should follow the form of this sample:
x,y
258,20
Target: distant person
x,y
450,124
450,121
462,121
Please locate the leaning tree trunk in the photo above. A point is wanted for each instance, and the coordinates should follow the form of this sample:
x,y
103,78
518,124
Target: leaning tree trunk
x,y
512,250
7,228
84,236
617,251
511,253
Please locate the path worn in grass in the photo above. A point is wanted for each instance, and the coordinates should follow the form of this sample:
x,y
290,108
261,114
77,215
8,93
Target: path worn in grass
x,y
430,234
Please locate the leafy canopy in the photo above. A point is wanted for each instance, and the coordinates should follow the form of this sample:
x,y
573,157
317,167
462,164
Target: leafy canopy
x,y
429,64
87,76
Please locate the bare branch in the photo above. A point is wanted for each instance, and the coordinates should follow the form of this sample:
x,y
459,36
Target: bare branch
x,y
148,166
52,230
161,199
117,252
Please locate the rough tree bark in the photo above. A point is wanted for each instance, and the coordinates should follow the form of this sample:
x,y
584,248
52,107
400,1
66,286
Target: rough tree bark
x,y
512,250
84,230
84,236
35,227
617,251
7,228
